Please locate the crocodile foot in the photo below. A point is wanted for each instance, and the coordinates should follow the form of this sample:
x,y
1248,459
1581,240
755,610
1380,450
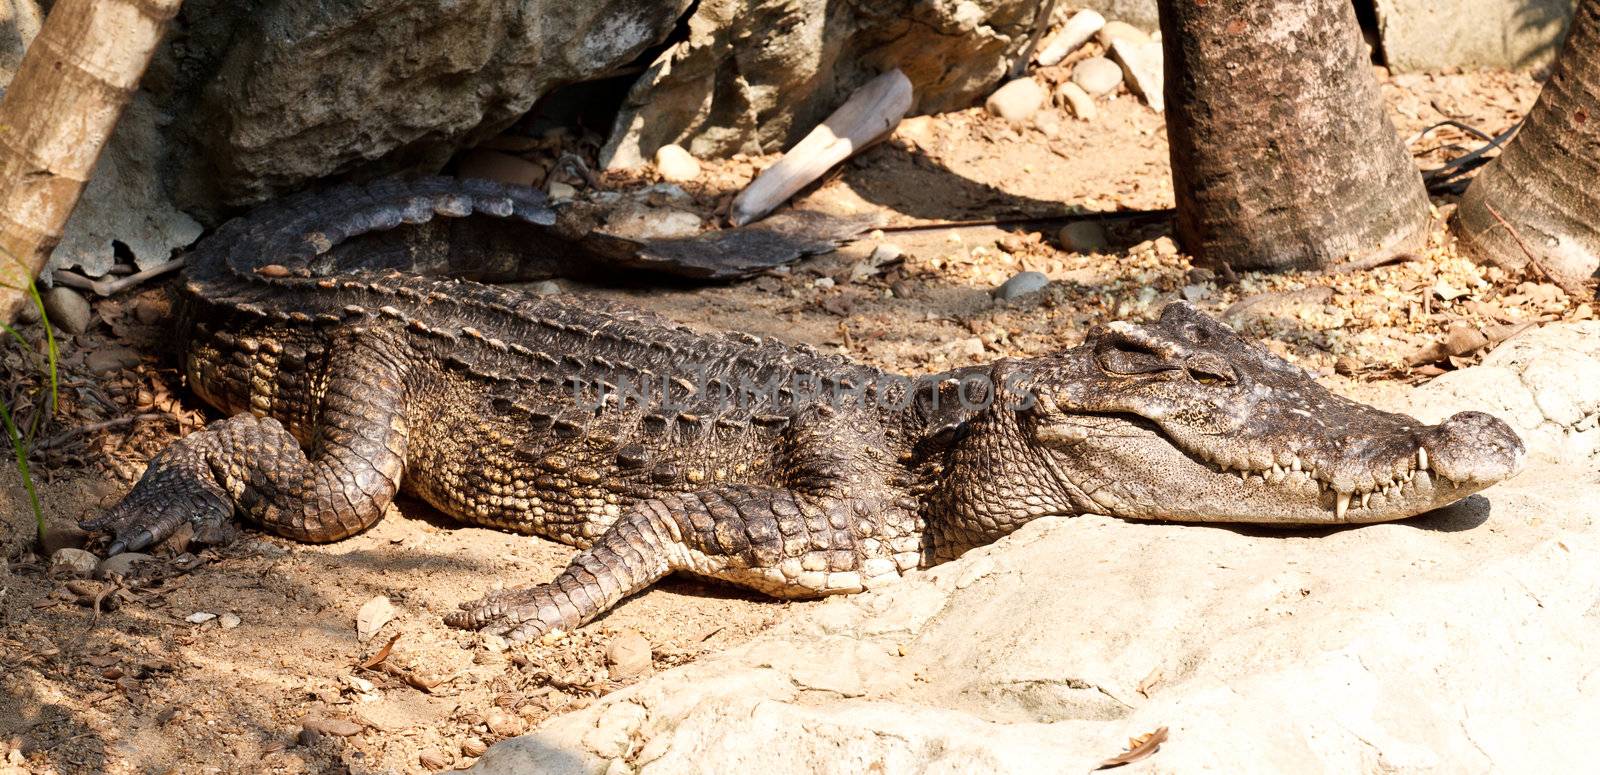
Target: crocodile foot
x,y
176,489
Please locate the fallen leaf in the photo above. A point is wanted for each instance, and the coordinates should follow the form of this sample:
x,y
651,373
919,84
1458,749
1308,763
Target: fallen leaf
x,y
373,615
382,654
1139,748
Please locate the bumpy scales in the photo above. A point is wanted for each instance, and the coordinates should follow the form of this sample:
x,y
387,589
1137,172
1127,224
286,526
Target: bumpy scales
x,y
358,359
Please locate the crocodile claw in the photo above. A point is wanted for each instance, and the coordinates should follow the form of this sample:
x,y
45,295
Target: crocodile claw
x,y
167,497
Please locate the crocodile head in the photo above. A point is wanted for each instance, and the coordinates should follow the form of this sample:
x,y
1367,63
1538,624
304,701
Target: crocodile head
x,y
1182,419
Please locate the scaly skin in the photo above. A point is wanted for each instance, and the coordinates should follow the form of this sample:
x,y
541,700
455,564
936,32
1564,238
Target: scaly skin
x,y
653,449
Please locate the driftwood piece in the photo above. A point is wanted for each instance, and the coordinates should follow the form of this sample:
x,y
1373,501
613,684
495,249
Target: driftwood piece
x,y
55,118
871,113
1077,31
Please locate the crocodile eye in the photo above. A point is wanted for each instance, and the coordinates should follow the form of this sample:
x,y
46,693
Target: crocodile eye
x,y
1128,358
1207,378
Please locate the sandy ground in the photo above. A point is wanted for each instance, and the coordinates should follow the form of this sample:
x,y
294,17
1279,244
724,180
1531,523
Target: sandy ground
x,y
137,687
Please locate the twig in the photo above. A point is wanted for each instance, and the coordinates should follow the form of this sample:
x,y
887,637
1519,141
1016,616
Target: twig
x,y
1471,130
92,427
1371,262
1533,260
1120,215
1041,23
1447,170
112,287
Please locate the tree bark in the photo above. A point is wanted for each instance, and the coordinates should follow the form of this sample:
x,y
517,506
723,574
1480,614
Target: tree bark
x,y
71,87
1540,200
1283,156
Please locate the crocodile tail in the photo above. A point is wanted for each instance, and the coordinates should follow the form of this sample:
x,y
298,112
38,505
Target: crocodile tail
x,y
489,232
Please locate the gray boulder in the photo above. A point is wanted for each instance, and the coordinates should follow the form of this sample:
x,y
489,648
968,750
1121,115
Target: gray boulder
x,y
288,91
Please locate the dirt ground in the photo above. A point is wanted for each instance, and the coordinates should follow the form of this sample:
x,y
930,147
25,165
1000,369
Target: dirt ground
x,y
95,677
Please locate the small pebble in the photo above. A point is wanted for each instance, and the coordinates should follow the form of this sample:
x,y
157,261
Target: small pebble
x,y
1097,76
120,564
473,747
1077,100
199,617
434,760
78,561
229,621
675,163
67,309
885,253
823,283
1017,101
1082,237
561,192
1165,246
111,358
628,655
1021,284
504,724
547,287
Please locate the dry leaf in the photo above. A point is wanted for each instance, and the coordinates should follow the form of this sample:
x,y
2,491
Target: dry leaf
x,y
373,615
1139,748
382,654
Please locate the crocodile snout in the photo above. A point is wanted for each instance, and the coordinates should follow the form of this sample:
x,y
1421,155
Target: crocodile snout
x,y
1474,448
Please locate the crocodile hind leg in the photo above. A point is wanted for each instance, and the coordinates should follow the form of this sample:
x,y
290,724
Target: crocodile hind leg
x,y
252,465
774,540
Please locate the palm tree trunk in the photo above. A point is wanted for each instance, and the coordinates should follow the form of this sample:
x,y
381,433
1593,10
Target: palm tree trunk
x,y
1283,156
1540,201
71,87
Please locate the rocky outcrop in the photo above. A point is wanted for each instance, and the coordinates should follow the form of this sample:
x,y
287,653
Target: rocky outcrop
x,y
288,91
1451,642
756,75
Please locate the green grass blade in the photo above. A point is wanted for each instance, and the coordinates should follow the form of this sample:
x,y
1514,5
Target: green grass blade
x,y
19,447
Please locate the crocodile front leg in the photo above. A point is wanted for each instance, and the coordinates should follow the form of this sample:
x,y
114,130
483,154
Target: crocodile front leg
x,y
336,488
778,541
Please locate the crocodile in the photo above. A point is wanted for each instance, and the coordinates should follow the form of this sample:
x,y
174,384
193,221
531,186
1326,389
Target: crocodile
x,y
354,365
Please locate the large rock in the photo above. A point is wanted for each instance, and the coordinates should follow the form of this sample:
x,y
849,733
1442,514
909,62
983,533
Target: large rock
x,y
719,92
1430,35
295,90
1453,642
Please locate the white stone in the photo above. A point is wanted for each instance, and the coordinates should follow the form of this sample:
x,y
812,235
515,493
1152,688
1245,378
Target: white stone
x,y
200,617
1076,99
1076,32
1097,76
1142,66
1116,30
561,192
1017,101
676,164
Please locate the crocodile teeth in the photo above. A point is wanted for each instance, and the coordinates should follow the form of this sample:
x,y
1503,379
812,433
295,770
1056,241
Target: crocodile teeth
x,y
1365,498
1340,506
1296,465
1422,459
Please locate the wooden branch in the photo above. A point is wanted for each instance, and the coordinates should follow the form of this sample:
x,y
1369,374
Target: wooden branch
x,y
57,114
871,113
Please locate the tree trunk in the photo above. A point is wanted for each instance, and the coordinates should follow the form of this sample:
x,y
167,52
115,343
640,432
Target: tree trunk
x,y
1546,184
57,113
1283,156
